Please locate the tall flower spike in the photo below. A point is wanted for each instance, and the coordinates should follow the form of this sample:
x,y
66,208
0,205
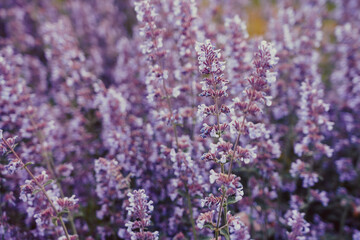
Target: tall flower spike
x,y
145,13
260,80
236,50
251,101
209,62
44,204
151,47
214,86
139,211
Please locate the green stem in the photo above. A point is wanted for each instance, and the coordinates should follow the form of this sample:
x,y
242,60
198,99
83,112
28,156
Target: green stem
x,y
51,167
222,168
193,226
343,219
220,210
238,136
265,227
41,188
225,219
251,221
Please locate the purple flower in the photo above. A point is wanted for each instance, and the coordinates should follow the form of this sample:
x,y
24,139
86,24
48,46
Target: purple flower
x,y
139,211
299,168
299,227
320,196
345,169
204,218
356,235
67,203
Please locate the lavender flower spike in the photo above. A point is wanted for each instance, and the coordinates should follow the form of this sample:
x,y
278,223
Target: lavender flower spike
x,y
139,211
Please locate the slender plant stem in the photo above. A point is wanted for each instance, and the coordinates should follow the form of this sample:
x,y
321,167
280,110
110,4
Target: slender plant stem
x,y
265,237
219,215
343,219
191,212
222,168
231,162
216,105
171,114
222,165
177,147
238,136
168,100
169,105
41,188
51,167
251,220
225,219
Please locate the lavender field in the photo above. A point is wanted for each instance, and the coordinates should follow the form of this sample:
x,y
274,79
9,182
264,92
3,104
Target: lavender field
x,y
180,119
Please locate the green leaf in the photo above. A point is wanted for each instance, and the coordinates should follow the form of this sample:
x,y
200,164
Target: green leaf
x,y
36,191
204,238
62,212
48,182
231,200
208,225
27,164
182,193
225,233
54,220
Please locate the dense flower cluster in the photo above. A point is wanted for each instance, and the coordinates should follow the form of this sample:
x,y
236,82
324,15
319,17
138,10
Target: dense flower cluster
x,y
299,227
235,119
43,203
139,210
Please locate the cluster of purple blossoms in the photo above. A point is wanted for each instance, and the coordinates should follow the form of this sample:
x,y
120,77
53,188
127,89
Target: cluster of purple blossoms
x,y
214,86
301,169
41,195
222,152
299,227
345,169
138,211
111,188
172,97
